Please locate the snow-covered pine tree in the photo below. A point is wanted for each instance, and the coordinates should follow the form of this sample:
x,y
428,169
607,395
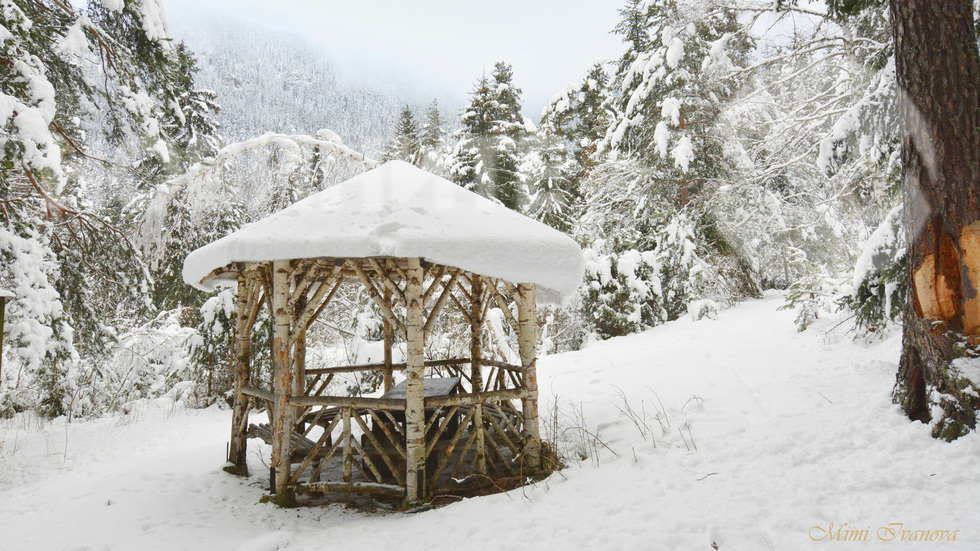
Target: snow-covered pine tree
x,y
670,94
407,145
815,133
434,149
663,155
433,135
109,73
486,158
554,197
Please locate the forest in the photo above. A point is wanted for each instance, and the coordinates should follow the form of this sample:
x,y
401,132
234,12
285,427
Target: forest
x,y
705,166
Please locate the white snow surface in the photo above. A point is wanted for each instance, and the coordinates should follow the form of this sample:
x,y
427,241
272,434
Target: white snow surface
x,y
766,436
399,210
5,293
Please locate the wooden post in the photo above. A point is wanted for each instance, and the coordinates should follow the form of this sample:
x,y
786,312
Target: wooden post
x,y
299,375
476,332
282,375
348,445
476,373
527,320
414,400
389,342
242,356
4,295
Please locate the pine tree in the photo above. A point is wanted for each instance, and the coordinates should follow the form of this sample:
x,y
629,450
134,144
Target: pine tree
x,y
554,195
672,91
110,74
407,145
433,136
633,26
581,116
486,158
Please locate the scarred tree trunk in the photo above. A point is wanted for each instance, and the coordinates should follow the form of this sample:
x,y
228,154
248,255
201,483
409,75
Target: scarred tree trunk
x,y
938,69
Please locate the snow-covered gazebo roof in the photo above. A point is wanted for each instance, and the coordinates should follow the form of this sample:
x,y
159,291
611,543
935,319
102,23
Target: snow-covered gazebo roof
x,y
398,210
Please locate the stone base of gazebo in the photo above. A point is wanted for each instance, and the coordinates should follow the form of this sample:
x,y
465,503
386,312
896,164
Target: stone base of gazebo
x,y
457,419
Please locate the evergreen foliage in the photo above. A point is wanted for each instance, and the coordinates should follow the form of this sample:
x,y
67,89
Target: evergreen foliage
x,y
408,143
880,280
486,158
699,168
86,281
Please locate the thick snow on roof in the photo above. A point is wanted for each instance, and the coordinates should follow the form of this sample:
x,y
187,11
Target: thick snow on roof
x,y
398,210
5,293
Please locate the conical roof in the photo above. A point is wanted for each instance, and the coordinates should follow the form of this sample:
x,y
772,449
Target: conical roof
x,y
398,210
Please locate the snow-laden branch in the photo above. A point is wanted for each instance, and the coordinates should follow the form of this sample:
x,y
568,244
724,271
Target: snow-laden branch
x,y
324,140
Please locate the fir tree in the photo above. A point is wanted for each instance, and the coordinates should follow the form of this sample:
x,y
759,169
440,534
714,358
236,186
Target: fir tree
x,y
75,80
432,135
432,139
487,157
554,197
407,145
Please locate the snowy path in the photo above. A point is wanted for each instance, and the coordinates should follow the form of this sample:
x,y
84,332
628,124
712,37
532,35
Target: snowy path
x,y
771,432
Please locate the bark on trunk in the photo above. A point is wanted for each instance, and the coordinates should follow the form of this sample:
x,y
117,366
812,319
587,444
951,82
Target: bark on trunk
x,y
527,318
938,71
243,358
414,401
282,413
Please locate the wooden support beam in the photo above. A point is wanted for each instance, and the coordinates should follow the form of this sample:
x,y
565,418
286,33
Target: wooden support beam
x,y
298,360
393,264
460,308
436,273
502,365
259,393
348,447
390,490
513,291
441,301
389,336
353,368
350,401
397,366
390,286
470,399
244,304
379,300
414,401
528,339
327,287
502,304
282,378
476,372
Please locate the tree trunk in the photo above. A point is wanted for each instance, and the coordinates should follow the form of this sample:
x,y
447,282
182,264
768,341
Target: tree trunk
x,y
938,70
414,387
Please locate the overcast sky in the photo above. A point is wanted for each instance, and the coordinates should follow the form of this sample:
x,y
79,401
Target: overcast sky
x,y
442,46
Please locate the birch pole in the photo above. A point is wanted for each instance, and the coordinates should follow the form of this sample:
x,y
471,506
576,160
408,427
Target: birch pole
x,y
476,373
389,333
4,295
527,320
282,377
243,353
414,392
298,362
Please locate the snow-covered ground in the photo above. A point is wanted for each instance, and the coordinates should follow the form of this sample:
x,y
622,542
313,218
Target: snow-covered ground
x,y
747,435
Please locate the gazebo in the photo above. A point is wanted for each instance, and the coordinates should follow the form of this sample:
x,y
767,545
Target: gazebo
x,y
423,249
